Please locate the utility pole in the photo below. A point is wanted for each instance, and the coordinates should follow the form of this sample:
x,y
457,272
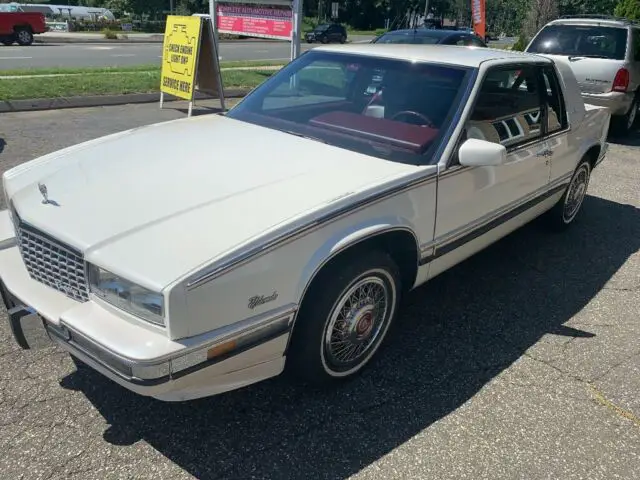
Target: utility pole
x,y
426,9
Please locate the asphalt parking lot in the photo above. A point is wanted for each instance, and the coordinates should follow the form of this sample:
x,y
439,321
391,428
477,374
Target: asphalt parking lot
x,y
521,363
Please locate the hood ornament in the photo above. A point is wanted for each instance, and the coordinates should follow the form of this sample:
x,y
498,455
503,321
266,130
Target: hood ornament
x,y
45,195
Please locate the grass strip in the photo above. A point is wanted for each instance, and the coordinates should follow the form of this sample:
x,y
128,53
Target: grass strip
x,y
127,69
97,84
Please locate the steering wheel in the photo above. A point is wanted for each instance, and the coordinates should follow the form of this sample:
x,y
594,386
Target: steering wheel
x,y
422,117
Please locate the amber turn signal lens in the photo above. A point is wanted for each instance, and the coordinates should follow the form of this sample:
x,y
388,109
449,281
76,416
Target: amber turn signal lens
x,y
221,349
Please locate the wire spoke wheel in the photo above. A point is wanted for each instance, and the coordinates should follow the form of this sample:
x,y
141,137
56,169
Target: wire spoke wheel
x,y
345,317
358,321
576,193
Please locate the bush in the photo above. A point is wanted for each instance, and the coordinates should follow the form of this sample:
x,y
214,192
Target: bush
x,y
308,24
521,43
109,34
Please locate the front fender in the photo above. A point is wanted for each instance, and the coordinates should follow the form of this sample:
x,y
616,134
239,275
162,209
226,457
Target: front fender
x,y
341,240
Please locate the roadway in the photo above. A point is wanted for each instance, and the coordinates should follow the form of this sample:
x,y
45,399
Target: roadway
x,y
74,55
100,55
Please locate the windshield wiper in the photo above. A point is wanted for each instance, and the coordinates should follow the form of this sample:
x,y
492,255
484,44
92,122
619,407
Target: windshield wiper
x,y
302,135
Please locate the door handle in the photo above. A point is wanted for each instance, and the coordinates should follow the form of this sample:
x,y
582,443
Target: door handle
x,y
545,153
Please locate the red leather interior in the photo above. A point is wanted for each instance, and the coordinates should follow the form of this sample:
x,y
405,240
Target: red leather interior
x,y
403,135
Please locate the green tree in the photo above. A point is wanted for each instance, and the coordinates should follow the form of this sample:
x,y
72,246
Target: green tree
x,y
629,9
117,7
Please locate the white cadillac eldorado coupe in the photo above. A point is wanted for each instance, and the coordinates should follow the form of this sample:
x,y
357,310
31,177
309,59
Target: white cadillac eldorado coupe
x,y
192,257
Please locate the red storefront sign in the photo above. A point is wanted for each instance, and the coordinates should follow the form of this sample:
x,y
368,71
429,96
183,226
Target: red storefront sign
x,y
265,21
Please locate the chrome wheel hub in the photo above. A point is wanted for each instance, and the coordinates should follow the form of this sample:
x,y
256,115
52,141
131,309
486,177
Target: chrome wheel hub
x,y
363,325
358,318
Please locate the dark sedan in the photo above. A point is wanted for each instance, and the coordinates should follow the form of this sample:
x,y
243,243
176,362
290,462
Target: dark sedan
x,y
327,33
429,37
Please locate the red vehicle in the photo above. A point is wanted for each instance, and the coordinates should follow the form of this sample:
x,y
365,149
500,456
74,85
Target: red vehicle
x,y
17,26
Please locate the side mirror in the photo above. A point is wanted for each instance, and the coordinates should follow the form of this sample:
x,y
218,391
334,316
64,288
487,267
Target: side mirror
x,y
480,153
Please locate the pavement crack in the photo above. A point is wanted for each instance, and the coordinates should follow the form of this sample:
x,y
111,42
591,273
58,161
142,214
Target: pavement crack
x,y
599,396
615,365
556,368
601,399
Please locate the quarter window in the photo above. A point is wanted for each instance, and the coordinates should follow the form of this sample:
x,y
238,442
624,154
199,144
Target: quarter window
x,y
508,108
556,116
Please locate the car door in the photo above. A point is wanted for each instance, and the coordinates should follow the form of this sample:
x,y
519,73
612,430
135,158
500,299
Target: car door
x,y
557,145
334,33
477,205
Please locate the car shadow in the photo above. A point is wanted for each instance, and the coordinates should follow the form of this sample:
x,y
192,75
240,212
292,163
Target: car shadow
x,y
455,334
630,140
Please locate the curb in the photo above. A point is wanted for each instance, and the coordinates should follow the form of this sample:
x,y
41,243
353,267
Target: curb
x,y
98,101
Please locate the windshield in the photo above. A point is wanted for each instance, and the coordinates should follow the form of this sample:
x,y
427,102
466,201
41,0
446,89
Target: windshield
x,y
9,8
408,37
581,41
392,109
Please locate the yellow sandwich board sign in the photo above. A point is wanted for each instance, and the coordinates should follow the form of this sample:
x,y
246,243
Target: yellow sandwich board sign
x,y
190,59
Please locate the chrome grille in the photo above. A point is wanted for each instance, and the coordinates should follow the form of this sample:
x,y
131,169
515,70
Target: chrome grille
x,y
51,262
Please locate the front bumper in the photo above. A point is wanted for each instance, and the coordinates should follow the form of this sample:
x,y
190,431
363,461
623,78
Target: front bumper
x,y
617,102
140,358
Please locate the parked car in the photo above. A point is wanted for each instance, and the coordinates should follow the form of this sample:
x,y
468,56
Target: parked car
x,y
290,252
426,36
18,26
327,33
604,54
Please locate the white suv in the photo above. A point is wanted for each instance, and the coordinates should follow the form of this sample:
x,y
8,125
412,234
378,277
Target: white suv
x,y
604,54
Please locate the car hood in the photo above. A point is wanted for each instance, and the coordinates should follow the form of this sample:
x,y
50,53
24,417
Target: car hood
x,y
157,202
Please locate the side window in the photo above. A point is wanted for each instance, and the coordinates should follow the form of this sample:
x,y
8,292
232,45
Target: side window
x,y
508,107
556,116
636,44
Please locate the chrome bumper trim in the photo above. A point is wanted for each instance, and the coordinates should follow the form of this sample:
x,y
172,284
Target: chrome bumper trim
x,y
234,340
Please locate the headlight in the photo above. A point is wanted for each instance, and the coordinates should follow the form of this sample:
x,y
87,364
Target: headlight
x,y
126,295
